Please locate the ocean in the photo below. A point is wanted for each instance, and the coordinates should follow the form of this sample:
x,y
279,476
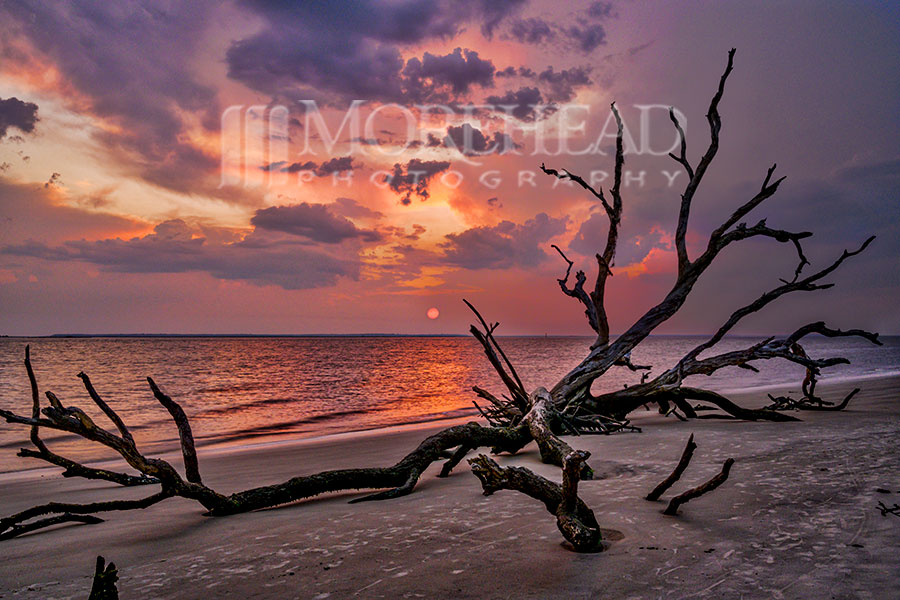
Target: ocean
x,y
240,390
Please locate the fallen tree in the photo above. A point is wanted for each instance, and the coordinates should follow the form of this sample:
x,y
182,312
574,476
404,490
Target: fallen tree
x,y
515,418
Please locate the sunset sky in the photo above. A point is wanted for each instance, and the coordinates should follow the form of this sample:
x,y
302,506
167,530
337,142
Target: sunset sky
x,y
162,170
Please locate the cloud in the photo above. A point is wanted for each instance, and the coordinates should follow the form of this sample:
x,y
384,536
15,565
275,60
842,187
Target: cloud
x,y
563,84
412,179
31,211
172,248
591,235
18,114
522,102
470,141
300,166
589,37
127,62
531,31
601,10
340,52
560,86
504,245
347,207
312,221
458,71
54,180
493,12
333,165
879,171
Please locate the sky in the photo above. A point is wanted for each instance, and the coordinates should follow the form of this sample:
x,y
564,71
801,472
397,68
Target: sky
x,y
266,167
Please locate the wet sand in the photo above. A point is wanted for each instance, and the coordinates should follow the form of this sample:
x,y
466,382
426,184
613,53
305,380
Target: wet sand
x,y
796,519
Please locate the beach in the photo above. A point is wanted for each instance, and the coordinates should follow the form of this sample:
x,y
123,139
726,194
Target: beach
x,y
796,519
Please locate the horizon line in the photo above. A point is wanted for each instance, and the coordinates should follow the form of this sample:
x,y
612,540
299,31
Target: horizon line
x,y
347,335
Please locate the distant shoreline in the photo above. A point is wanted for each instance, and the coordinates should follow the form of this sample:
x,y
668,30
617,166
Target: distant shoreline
x,y
350,335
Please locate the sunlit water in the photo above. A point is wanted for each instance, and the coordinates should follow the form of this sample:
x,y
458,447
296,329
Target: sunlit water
x,y
241,390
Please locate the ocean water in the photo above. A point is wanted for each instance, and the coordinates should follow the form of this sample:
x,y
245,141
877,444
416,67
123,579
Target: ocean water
x,y
243,390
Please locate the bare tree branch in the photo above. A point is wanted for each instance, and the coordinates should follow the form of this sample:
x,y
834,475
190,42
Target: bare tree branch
x,y
595,302
716,481
489,343
715,125
681,158
191,465
675,475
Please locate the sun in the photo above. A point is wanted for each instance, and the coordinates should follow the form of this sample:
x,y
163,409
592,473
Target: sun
x,y
433,313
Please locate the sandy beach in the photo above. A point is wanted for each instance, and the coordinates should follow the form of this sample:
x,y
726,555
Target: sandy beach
x,y
796,519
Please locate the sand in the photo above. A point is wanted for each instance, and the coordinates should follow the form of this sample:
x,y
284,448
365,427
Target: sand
x,y
797,519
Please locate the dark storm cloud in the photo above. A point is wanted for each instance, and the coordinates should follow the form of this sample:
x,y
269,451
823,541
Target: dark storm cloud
x,y
413,178
128,60
522,102
18,114
459,70
562,85
531,31
470,141
313,221
589,37
601,10
343,51
504,245
493,12
172,249
559,86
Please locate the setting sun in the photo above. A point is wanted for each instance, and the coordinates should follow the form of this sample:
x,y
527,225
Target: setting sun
x,y
433,313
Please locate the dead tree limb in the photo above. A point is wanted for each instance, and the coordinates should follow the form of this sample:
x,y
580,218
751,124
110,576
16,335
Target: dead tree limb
x,y
716,481
188,451
889,510
595,303
539,421
675,475
16,530
574,518
491,349
72,468
104,584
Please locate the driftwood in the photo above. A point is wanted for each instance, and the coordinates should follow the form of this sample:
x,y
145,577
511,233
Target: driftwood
x,y
574,518
683,463
716,481
517,417
105,578
395,480
889,510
